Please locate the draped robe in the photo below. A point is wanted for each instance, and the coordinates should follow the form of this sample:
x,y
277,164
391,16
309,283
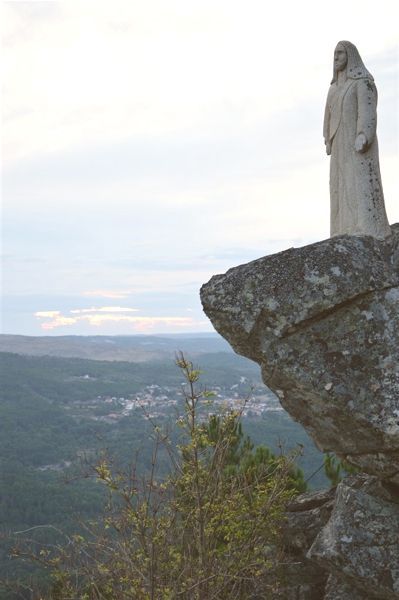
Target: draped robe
x,y
356,195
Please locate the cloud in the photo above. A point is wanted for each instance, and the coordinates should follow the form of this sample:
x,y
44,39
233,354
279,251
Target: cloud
x,y
77,74
148,147
111,315
104,309
58,321
47,314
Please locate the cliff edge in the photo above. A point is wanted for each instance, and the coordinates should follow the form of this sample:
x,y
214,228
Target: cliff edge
x,y
322,321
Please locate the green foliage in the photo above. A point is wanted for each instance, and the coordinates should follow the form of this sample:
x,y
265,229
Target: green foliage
x,y
334,469
211,529
242,457
49,417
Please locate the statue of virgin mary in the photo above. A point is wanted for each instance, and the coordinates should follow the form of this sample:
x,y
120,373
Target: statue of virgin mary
x,y
357,199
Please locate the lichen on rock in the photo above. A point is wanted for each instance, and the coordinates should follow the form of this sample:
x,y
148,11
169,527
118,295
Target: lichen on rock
x,y
322,321
360,542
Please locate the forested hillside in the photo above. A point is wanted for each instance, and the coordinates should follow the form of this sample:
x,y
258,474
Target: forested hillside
x,y
57,415
131,348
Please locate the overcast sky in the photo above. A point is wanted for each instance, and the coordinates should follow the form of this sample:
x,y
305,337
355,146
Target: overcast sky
x,y
148,145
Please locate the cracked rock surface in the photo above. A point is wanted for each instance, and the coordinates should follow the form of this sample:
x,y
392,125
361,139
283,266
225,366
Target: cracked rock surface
x,y
322,321
303,578
343,543
360,542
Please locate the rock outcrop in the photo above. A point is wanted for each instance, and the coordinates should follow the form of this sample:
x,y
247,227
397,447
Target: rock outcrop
x,y
343,543
322,321
360,542
303,578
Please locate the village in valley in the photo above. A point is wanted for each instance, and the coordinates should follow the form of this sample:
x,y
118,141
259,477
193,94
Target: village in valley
x,y
159,402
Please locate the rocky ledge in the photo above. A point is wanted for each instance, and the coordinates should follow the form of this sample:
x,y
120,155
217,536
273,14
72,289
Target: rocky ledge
x,y
322,321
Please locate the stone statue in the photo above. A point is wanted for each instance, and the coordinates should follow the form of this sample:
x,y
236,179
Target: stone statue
x,y
357,199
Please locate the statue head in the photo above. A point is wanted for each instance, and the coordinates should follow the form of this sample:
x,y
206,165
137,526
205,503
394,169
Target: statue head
x,y
340,57
347,57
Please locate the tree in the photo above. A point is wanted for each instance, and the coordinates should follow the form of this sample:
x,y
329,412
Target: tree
x,y
211,529
334,467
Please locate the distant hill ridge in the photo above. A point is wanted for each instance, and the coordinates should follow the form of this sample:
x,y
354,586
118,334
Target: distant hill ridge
x,y
130,348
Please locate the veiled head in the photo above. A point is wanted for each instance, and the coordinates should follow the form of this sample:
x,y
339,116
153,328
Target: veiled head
x,y
347,57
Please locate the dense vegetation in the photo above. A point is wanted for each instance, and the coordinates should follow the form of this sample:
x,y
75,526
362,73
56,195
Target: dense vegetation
x,y
209,528
51,430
